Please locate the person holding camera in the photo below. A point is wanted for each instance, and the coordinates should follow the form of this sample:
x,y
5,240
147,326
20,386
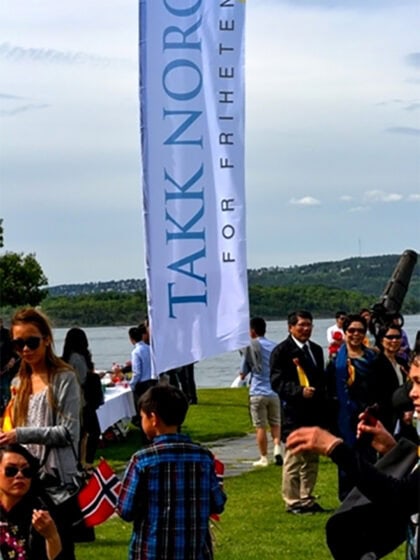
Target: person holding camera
x,y
397,497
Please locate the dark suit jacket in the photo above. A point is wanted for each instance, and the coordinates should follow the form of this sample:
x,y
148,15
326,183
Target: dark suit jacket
x,y
374,516
297,410
385,384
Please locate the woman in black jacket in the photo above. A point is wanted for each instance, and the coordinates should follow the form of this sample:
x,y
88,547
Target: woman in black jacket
x,y
397,497
390,372
76,353
27,529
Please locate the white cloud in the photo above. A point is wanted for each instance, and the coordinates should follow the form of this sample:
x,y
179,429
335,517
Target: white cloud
x,y
8,96
359,209
381,196
22,109
413,59
305,201
314,77
407,130
413,107
18,53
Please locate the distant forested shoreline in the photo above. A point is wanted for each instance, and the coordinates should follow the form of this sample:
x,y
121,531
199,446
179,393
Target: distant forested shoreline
x,y
323,288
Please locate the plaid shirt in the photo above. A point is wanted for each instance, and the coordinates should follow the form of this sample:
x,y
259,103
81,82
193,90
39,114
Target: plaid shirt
x,y
169,490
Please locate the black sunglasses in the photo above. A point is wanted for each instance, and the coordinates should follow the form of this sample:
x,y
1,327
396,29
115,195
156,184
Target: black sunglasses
x,y
353,330
11,472
392,336
32,342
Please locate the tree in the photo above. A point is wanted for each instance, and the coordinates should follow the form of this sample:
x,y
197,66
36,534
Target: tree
x,y
21,280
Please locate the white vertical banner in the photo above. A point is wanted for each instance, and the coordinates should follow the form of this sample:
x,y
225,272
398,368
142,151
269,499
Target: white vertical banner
x,y
192,129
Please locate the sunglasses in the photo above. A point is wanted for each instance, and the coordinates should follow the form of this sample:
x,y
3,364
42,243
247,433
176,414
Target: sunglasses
x,y
392,336
32,342
11,472
354,330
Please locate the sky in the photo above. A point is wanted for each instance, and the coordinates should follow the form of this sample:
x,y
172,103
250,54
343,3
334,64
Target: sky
x,y
332,133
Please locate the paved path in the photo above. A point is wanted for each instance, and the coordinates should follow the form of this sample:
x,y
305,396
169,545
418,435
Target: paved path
x,y
238,454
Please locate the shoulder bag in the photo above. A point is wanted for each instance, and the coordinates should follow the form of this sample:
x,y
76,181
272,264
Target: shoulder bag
x,y
63,498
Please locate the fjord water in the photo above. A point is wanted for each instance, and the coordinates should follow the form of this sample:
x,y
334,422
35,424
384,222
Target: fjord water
x,y
111,344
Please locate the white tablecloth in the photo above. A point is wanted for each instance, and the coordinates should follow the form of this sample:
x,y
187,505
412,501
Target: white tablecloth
x,y
119,403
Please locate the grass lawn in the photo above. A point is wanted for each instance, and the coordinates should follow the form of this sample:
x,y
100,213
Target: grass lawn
x,y
220,413
254,525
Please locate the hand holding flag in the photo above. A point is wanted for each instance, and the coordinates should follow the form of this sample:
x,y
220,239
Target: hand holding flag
x,y
98,498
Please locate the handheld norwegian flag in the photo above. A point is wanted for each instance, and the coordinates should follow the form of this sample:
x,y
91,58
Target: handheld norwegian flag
x,y
98,499
219,468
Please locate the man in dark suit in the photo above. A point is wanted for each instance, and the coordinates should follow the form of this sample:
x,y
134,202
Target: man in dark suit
x,y
297,375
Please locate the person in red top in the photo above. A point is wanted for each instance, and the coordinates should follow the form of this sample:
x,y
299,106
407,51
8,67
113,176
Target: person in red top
x,y
337,341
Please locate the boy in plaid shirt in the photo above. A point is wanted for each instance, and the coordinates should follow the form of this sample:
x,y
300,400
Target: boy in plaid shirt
x,y
170,488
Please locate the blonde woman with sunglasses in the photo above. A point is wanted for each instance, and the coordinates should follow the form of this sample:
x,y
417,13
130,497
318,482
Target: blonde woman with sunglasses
x,y
46,400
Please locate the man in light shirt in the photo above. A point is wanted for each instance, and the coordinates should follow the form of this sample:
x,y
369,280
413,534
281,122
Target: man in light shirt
x,y
264,402
141,365
337,327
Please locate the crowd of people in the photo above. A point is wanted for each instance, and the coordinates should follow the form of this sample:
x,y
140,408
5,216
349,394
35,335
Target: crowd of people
x,y
50,430
367,372
43,415
311,407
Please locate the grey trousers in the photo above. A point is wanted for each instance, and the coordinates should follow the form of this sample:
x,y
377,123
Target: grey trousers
x,y
299,477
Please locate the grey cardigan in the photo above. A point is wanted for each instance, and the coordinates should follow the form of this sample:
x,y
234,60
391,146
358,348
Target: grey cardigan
x,y
60,423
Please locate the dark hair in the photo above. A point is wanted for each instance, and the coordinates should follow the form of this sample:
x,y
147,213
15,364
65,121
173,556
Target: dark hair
x,y
340,314
134,334
354,318
142,329
416,349
167,402
20,450
294,317
382,332
414,358
258,325
76,342
398,316
365,310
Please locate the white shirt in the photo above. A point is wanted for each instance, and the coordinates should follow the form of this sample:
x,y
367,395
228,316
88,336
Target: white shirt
x,y
331,330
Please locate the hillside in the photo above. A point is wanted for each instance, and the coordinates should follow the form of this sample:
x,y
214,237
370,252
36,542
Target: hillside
x,y
128,286
367,275
322,288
